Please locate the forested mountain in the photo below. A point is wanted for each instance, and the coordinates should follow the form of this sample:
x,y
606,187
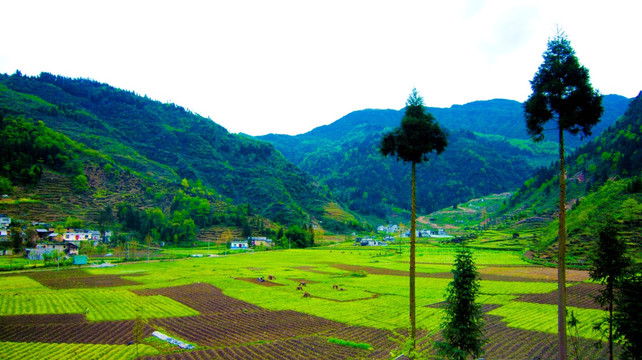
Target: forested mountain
x,y
489,151
165,142
604,177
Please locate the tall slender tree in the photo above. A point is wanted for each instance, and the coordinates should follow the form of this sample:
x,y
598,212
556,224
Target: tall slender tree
x,y
562,92
418,136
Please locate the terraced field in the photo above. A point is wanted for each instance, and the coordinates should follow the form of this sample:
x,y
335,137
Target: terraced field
x,y
218,305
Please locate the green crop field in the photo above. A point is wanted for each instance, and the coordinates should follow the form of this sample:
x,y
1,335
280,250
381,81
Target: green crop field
x,y
349,287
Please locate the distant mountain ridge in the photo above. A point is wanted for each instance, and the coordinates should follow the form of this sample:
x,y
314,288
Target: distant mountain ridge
x,y
498,117
489,151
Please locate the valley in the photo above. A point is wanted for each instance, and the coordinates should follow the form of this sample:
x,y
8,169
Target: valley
x,y
179,196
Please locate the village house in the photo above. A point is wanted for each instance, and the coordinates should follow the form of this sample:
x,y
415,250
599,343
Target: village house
x,y
37,253
260,241
5,221
43,233
370,242
81,235
239,244
388,228
440,233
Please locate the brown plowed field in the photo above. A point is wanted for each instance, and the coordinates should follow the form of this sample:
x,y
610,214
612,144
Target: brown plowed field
x,y
262,283
67,329
233,329
308,347
491,273
581,295
74,279
204,298
238,328
303,281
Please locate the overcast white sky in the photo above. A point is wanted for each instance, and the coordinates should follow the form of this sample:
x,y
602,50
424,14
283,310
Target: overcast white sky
x,y
258,66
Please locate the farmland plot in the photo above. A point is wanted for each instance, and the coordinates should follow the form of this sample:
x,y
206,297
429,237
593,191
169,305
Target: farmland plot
x,y
204,301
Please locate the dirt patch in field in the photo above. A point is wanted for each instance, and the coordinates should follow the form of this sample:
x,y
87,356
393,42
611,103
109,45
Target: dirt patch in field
x,y
491,273
256,281
74,279
305,281
581,295
204,298
313,270
530,273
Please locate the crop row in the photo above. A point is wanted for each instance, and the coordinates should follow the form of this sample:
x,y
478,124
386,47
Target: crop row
x,y
506,342
543,318
110,332
308,347
98,304
44,351
240,328
581,295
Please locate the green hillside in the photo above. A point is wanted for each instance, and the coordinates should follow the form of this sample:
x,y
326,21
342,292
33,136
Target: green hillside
x,y
489,152
164,143
604,177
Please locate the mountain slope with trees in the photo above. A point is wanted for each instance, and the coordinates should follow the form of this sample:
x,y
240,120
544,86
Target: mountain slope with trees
x,y
489,152
167,142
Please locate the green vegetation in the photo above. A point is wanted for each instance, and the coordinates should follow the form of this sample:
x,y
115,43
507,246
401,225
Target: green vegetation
x,y
144,139
349,343
610,264
376,300
487,154
45,351
463,325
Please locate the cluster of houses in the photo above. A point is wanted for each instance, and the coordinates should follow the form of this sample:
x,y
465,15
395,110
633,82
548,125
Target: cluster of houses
x,y
71,240
371,242
251,242
393,229
49,241
5,222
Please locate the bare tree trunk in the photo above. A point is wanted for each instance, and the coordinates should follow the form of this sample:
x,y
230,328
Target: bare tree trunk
x,y
610,322
561,258
413,226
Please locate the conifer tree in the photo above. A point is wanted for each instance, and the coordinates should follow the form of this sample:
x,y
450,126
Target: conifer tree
x,y
610,264
463,323
562,92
